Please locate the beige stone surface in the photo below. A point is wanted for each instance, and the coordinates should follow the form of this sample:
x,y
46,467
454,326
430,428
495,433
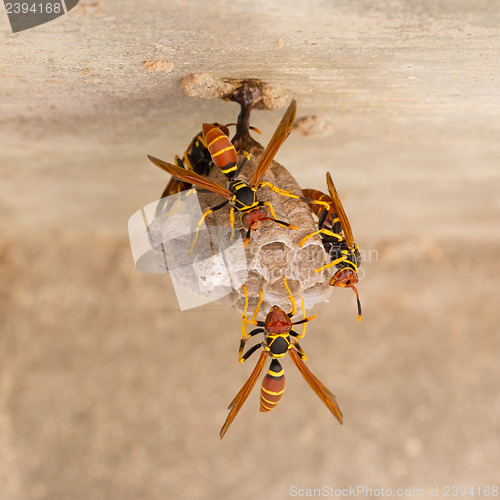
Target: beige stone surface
x,y
108,391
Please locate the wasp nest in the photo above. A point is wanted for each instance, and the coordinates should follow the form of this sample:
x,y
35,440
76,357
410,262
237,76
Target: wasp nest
x,y
218,264
272,253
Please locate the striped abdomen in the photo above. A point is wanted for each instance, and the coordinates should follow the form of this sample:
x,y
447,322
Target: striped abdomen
x,y
221,149
273,387
314,194
318,210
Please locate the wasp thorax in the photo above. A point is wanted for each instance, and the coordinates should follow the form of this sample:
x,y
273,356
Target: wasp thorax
x,y
253,218
244,195
344,277
278,321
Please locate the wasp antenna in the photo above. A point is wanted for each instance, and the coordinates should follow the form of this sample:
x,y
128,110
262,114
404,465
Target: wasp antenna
x,y
305,320
358,302
281,223
247,239
251,128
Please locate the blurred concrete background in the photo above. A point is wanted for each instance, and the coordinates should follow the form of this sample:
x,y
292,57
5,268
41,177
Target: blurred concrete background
x,y
108,391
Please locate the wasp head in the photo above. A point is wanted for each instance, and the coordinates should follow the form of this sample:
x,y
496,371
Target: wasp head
x,y
345,277
252,219
277,321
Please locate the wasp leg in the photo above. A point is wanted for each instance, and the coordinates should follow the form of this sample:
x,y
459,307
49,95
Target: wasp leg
x,y
299,350
253,321
280,222
179,201
292,300
322,219
331,233
244,335
291,195
332,263
247,237
243,357
205,213
311,201
161,205
271,208
279,191
308,236
294,311
231,219
302,322
243,163
322,231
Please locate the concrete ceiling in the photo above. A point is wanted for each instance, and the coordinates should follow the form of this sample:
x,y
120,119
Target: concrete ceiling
x,y
405,95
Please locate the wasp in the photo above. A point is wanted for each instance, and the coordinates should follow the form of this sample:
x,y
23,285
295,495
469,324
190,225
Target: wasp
x,y
279,339
336,233
240,195
209,147
201,155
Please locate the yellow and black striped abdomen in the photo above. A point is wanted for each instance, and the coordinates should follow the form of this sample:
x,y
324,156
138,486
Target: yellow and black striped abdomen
x,y
273,387
221,149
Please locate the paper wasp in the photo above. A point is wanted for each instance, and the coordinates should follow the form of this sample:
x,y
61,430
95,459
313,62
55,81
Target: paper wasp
x,y
242,196
200,156
279,339
209,147
344,253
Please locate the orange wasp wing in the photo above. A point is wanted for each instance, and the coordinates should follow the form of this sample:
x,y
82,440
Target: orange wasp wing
x,y
322,391
191,177
344,221
237,403
279,136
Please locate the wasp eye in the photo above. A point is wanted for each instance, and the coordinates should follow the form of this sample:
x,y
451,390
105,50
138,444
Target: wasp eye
x,y
344,277
253,218
244,220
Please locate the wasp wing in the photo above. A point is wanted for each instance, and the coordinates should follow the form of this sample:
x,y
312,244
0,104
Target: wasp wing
x,y
281,133
344,221
323,392
242,396
191,177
